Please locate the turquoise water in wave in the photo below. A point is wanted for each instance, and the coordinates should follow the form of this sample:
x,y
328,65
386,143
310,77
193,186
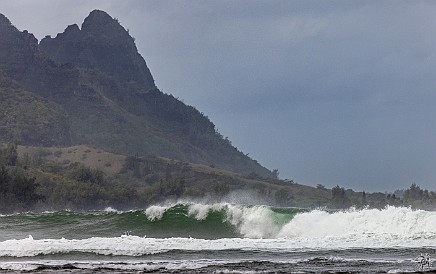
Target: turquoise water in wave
x,y
218,238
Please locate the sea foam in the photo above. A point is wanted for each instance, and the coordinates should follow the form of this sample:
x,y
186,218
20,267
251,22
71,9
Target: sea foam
x,y
391,227
394,221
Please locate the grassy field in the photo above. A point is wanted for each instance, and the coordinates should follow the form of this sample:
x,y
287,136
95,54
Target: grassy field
x,y
109,163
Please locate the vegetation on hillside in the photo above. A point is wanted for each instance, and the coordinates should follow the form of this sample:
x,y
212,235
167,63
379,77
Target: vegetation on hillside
x,y
141,181
27,118
42,179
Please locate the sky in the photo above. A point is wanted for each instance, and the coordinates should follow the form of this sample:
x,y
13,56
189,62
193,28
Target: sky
x,y
327,92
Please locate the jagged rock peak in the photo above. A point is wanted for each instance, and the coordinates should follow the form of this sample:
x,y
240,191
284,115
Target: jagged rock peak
x,y
102,23
17,50
7,28
70,31
98,16
103,44
72,28
4,20
5,24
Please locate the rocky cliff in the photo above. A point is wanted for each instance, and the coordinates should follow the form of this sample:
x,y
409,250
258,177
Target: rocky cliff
x,y
93,87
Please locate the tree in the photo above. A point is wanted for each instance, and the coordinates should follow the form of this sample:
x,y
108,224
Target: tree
x,y
414,193
364,202
320,186
276,173
339,198
9,155
171,187
17,192
84,174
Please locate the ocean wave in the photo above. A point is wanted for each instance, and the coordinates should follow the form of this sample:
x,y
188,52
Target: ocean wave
x,y
135,246
223,220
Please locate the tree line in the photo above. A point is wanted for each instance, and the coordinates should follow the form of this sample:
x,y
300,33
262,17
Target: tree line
x,y
17,190
31,182
414,197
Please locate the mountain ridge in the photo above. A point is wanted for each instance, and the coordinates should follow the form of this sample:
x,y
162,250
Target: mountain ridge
x,y
89,47
103,85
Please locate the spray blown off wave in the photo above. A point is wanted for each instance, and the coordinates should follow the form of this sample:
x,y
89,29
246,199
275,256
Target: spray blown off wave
x,y
179,220
217,221
216,227
186,237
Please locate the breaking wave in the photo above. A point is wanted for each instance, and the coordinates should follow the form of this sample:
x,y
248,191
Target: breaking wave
x,y
215,227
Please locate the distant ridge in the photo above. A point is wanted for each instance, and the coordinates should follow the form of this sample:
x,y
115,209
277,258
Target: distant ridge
x,y
95,88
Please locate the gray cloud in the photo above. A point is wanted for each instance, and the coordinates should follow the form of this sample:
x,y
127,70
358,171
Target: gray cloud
x,y
331,92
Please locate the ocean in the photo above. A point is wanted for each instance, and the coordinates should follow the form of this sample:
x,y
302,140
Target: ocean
x,y
188,237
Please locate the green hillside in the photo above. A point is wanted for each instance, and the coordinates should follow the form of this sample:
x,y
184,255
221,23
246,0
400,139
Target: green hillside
x,y
27,118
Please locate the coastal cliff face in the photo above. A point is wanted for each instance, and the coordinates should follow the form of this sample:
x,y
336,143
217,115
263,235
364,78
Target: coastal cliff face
x,y
89,85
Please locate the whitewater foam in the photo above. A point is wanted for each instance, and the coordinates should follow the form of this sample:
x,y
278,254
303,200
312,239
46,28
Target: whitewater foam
x,y
253,222
130,265
201,211
111,209
258,229
249,221
261,221
392,221
140,246
309,237
154,213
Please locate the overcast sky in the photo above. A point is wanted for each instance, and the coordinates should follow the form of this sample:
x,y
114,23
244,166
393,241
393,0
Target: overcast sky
x,y
328,92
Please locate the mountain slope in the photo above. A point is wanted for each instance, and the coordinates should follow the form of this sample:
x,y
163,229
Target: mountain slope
x,y
28,118
95,75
